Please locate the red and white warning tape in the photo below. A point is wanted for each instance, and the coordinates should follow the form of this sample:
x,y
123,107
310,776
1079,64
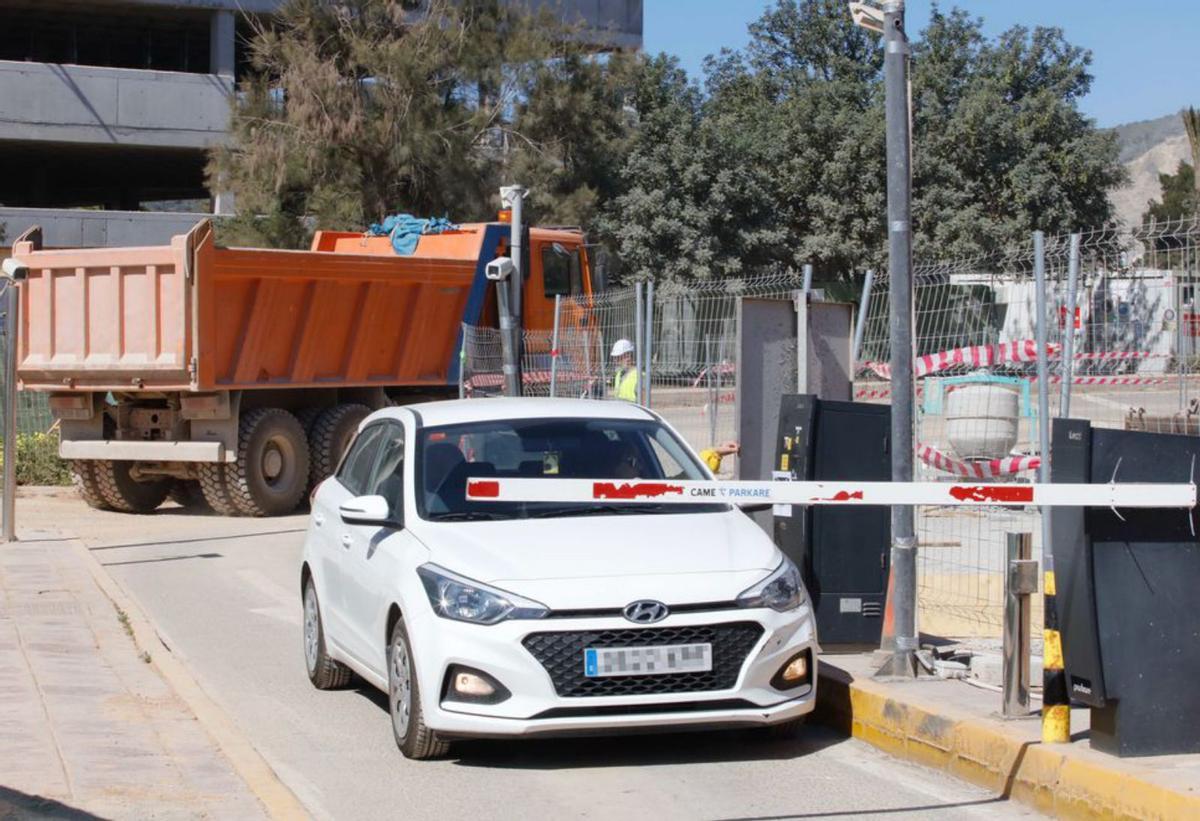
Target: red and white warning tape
x,y
884,393
1125,495
981,356
987,469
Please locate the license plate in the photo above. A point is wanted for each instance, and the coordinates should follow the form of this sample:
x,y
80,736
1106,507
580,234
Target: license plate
x,y
646,661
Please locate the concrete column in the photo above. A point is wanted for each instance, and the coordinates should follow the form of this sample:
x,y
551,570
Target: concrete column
x,y
221,36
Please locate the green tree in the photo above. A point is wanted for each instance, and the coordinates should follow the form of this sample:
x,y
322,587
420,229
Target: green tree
x,y
1179,199
361,108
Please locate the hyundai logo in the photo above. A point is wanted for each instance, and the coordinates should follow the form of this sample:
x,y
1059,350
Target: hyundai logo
x,y
646,611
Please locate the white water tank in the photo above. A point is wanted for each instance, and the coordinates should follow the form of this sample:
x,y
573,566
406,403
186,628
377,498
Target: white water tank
x,y
982,420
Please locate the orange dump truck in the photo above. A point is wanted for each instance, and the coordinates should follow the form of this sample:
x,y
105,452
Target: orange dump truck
x,y
237,374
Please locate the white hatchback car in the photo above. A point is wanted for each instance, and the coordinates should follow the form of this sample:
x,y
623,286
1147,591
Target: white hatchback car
x,y
513,619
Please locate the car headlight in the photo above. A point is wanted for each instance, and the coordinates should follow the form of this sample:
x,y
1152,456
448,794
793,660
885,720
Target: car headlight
x,y
783,590
459,598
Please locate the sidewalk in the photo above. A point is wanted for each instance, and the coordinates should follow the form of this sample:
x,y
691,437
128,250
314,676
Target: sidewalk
x,y
88,726
952,726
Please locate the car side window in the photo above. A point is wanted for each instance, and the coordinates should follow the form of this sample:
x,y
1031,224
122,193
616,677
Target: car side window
x,y
355,470
388,478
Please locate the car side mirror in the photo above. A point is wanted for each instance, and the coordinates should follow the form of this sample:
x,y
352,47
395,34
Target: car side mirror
x,y
367,510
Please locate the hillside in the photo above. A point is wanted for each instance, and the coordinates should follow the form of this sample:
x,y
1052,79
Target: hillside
x,y
1148,148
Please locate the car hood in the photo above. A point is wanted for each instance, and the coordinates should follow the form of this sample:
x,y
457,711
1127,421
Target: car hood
x,y
584,562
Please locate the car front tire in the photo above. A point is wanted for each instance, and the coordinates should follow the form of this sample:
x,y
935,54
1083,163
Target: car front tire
x,y
414,739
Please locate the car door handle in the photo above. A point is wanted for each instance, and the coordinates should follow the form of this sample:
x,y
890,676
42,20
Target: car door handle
x,y
318,519
346,541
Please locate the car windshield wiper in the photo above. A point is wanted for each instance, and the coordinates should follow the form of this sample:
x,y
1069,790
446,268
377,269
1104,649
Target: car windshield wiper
x,y
466,516
596,510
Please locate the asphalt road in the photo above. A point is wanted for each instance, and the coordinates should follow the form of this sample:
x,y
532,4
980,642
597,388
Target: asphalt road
x,y
224,594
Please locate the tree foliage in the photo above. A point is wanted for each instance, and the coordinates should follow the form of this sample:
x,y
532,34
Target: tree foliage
x,y
1179,198
360,108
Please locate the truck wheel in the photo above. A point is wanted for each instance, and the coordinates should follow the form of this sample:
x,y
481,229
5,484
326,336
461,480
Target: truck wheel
x,y
214,484
122,492
307,417
83,473
187,493
271,471
331,435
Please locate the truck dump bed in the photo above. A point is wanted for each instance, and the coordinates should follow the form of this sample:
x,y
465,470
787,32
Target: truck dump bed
x,y
194,317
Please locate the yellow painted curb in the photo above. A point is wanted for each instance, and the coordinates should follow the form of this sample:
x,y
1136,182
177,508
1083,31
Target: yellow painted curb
x,y
278,801
1047,777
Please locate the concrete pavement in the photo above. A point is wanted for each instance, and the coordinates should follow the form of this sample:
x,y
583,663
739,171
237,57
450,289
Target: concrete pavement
x,y
88,728
224,596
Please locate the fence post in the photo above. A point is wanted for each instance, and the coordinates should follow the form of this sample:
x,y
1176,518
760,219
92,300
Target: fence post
x,y
639,347
860,325
1056,710
1020,582
12,324
902,598
649,340
712,393
554,346
1068,351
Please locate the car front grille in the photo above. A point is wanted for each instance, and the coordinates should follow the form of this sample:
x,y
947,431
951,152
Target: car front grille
x,y
561,653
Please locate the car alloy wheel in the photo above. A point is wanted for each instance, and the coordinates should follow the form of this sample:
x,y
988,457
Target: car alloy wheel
x,y
401,687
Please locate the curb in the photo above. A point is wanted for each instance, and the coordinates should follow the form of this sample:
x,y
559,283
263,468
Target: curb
x,y
276,798
1061,781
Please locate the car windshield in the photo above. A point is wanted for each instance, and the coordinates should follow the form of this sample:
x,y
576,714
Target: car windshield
x,y
448,456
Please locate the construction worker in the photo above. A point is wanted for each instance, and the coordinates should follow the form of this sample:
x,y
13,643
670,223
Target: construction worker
x,y
625,383
712,456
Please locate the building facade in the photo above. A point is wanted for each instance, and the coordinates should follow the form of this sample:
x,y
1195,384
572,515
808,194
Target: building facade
x,y
108,107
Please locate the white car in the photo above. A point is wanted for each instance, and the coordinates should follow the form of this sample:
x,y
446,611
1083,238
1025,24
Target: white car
x,y
515,619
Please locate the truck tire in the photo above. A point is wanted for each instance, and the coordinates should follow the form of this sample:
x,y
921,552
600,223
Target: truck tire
x,y
122,492
271,472
83,474
187,493
307,417
331,435
214,484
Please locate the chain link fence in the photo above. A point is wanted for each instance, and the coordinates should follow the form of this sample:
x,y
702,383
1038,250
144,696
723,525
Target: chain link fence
x,y
1126,351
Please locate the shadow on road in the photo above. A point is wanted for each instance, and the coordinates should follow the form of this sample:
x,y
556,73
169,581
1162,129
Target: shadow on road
x,y
631,748
15,804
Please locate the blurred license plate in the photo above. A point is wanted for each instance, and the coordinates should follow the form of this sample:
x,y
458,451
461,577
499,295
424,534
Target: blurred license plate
x,y
646,661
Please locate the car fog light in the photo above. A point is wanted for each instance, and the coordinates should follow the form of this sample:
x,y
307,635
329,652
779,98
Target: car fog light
x,y
796,671
470,686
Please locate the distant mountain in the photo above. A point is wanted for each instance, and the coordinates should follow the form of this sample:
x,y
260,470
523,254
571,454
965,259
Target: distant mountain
x,y
1148,148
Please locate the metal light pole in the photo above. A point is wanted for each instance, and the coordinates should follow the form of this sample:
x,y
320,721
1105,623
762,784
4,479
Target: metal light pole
x,y
900,331
12,328
514,197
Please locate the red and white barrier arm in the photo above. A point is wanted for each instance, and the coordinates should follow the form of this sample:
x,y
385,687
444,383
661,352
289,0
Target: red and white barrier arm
x,y
1117,495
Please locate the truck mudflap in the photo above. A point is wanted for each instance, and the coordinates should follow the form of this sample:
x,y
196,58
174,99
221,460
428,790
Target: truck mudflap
x,y
146,451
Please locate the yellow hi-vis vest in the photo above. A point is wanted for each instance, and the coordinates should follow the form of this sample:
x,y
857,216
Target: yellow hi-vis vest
x,y
625,385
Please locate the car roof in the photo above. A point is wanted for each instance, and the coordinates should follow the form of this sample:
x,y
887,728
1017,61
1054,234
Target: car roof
x,y
458,411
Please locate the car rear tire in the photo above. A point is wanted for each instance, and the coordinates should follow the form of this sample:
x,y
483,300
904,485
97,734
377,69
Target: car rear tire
x,y
122,492
329,438
83,474
414,739
271,472
323,672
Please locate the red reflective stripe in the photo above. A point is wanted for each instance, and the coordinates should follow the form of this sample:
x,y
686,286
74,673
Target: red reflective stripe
x,y
1014,494
484,488
639,490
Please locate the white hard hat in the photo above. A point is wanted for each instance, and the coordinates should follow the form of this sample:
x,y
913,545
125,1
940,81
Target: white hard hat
x,y
622,347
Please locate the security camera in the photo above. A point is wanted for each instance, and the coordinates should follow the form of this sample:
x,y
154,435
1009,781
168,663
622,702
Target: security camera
x,y
498,269
15,269
867,16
